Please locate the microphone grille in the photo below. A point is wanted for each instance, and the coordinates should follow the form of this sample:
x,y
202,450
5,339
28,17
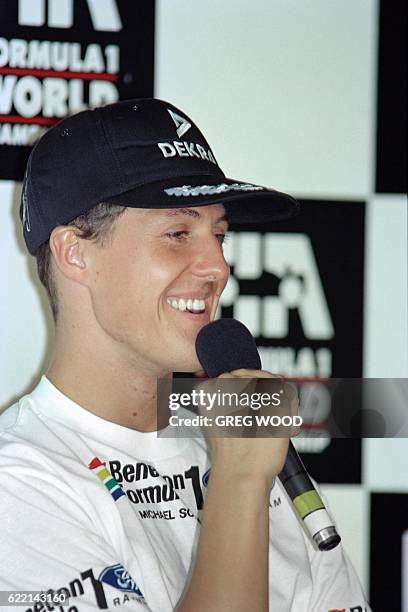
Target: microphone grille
x,y
226,345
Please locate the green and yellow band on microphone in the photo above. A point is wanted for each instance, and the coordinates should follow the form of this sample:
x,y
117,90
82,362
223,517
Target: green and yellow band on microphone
x,y
307,502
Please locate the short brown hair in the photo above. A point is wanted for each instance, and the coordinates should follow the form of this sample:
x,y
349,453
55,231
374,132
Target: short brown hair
x,y
96,224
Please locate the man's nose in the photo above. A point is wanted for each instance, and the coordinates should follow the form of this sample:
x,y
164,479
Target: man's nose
x,y
210,263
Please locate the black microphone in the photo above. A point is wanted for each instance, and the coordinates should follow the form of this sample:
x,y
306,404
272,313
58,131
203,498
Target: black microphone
x,y
226,345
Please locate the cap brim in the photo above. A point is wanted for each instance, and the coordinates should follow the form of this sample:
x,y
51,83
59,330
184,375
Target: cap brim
x,y
245,202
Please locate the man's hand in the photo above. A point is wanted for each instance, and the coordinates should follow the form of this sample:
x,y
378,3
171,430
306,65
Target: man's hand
x,y
256,457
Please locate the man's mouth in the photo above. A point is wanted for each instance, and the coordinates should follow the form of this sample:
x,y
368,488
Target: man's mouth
x,y
193,305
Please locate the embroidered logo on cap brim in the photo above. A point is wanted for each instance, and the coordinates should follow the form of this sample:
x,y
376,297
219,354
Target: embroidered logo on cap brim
x,y
188,190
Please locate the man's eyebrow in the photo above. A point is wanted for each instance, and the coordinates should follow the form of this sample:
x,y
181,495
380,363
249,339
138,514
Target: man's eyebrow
x,y
192,212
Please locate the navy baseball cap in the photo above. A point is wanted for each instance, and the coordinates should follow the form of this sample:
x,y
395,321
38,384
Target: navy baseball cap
x,y
142,153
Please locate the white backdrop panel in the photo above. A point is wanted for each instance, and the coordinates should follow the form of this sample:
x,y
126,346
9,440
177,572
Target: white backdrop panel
x,y
386,297
283,88
23,309
385,465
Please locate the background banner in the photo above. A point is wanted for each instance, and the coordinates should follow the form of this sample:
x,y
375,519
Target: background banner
x,y
58,57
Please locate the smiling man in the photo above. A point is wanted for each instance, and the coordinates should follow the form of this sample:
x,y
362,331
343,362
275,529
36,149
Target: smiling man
x,y
126,210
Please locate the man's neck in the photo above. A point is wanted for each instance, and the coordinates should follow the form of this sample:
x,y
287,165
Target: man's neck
x,y
124,395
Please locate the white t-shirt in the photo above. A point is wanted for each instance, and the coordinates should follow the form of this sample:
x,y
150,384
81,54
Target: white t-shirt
x,y
109,517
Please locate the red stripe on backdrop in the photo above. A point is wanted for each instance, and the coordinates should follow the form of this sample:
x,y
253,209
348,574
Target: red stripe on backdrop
x,y
36,120
85,76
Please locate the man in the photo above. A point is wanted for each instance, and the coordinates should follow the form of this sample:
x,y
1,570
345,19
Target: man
x,y
126,209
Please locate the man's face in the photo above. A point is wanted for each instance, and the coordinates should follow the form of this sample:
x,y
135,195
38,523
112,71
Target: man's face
x,y
158,282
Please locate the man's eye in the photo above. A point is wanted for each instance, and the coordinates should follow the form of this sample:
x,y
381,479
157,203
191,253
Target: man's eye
x,y
180,235
222,237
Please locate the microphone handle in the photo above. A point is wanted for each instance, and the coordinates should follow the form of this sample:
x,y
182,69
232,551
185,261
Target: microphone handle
x,y
307,501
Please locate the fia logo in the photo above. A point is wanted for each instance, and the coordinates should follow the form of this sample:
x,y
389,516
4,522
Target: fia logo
x,y
105,15
291,259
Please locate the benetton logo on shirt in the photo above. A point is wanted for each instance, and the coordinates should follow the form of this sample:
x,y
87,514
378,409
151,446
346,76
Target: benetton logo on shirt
x,y
106,477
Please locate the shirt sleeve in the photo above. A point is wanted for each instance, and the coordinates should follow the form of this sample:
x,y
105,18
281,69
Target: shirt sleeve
x,y
335,583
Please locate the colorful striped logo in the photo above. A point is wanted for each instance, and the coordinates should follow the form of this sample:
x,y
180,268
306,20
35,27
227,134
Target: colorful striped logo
x,y
106,477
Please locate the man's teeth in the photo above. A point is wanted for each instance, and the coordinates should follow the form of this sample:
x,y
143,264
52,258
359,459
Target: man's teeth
x,y
191,305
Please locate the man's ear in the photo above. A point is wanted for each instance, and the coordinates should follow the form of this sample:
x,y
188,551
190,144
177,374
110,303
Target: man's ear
x,y
67,247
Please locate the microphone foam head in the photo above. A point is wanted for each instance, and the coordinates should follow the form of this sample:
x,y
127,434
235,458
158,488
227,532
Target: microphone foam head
x,y
226,345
